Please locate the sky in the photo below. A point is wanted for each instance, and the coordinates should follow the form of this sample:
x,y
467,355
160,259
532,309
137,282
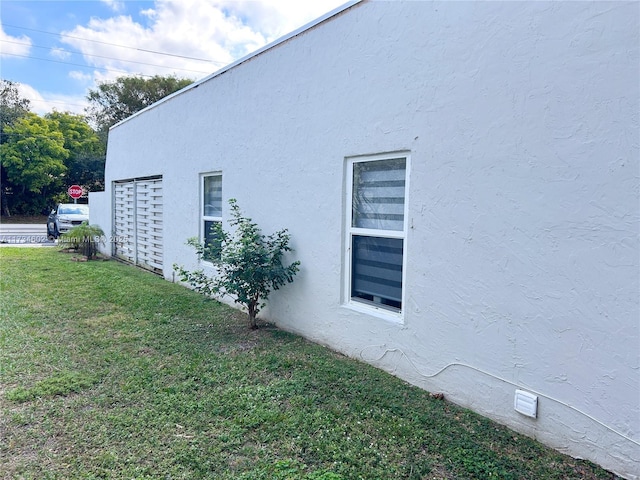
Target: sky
x,y
58,50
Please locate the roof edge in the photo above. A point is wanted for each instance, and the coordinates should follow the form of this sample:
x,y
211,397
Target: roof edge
x,y
236,63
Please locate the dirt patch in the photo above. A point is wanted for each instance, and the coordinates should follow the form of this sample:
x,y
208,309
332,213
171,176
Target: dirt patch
x,y
30,219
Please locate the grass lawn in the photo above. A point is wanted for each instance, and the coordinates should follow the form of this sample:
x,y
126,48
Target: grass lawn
x,y
110,372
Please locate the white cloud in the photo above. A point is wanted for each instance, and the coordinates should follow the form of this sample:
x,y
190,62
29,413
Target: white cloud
x,y
115,5
13,45
220,31
83,77
43,102
60,53
276,18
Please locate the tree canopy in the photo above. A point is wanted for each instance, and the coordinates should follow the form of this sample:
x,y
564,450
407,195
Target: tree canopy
x,y
33,162
42,155
112,102
12,105
86,152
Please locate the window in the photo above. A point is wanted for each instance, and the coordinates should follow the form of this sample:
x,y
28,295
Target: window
x,y
376,230
211,206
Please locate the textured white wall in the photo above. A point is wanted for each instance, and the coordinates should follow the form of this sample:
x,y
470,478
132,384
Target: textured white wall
x,y
521,119
100,214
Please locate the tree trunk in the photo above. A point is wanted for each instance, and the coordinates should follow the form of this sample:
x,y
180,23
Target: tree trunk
x,y
252,316
3,200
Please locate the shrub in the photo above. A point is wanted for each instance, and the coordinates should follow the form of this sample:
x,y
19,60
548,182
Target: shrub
x,y
84,238
249,264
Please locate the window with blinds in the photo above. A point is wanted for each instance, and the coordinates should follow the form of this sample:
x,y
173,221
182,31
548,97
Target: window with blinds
x,y
377,231
211,206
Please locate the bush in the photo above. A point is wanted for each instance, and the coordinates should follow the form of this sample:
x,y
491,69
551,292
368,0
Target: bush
x,y
249,264
84,238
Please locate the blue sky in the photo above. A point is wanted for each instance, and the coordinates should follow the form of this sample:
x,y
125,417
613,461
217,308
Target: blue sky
x,y
58,50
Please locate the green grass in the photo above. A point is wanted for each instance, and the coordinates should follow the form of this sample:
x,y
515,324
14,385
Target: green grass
x,y
108,372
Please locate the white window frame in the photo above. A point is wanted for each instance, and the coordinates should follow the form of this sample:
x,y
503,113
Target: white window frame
x,y
207,218
354,303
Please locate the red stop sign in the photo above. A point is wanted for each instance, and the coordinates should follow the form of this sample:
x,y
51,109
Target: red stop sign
x,y
75,191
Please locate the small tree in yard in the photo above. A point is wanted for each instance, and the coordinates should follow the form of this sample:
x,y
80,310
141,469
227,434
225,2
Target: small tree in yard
x,y
249,264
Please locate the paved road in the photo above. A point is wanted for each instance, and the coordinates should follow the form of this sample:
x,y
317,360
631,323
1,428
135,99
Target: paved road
x,y
31,235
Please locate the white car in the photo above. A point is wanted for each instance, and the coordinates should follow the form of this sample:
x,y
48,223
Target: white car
x,y
66,216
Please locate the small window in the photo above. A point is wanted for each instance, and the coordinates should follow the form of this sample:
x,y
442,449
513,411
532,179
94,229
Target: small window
x,y
211,207
376,231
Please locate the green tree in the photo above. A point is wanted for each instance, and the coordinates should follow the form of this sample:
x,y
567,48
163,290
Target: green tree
x,y
249,264
32,158
12,105
86,159
12,108
114,101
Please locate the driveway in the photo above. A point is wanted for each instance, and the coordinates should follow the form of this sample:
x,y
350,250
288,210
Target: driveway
x,y
23,234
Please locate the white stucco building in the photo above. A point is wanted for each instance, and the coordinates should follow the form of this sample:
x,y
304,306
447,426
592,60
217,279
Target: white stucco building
x,y
461,182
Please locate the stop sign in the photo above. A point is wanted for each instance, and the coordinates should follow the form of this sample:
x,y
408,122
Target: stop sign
x,y
75,191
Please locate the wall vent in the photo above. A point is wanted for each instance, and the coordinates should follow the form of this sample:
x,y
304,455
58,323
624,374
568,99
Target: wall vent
x,y
526,403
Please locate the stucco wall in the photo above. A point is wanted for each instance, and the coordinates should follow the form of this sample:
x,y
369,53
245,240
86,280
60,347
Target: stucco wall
x,y
100,214
521,119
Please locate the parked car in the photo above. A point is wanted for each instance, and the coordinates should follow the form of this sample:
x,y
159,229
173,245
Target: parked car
x,y
66,216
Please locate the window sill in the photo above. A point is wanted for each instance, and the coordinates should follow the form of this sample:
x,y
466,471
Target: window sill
x,y
374,311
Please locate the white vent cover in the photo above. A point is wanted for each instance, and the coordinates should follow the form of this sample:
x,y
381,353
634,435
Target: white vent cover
x,y
526,403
